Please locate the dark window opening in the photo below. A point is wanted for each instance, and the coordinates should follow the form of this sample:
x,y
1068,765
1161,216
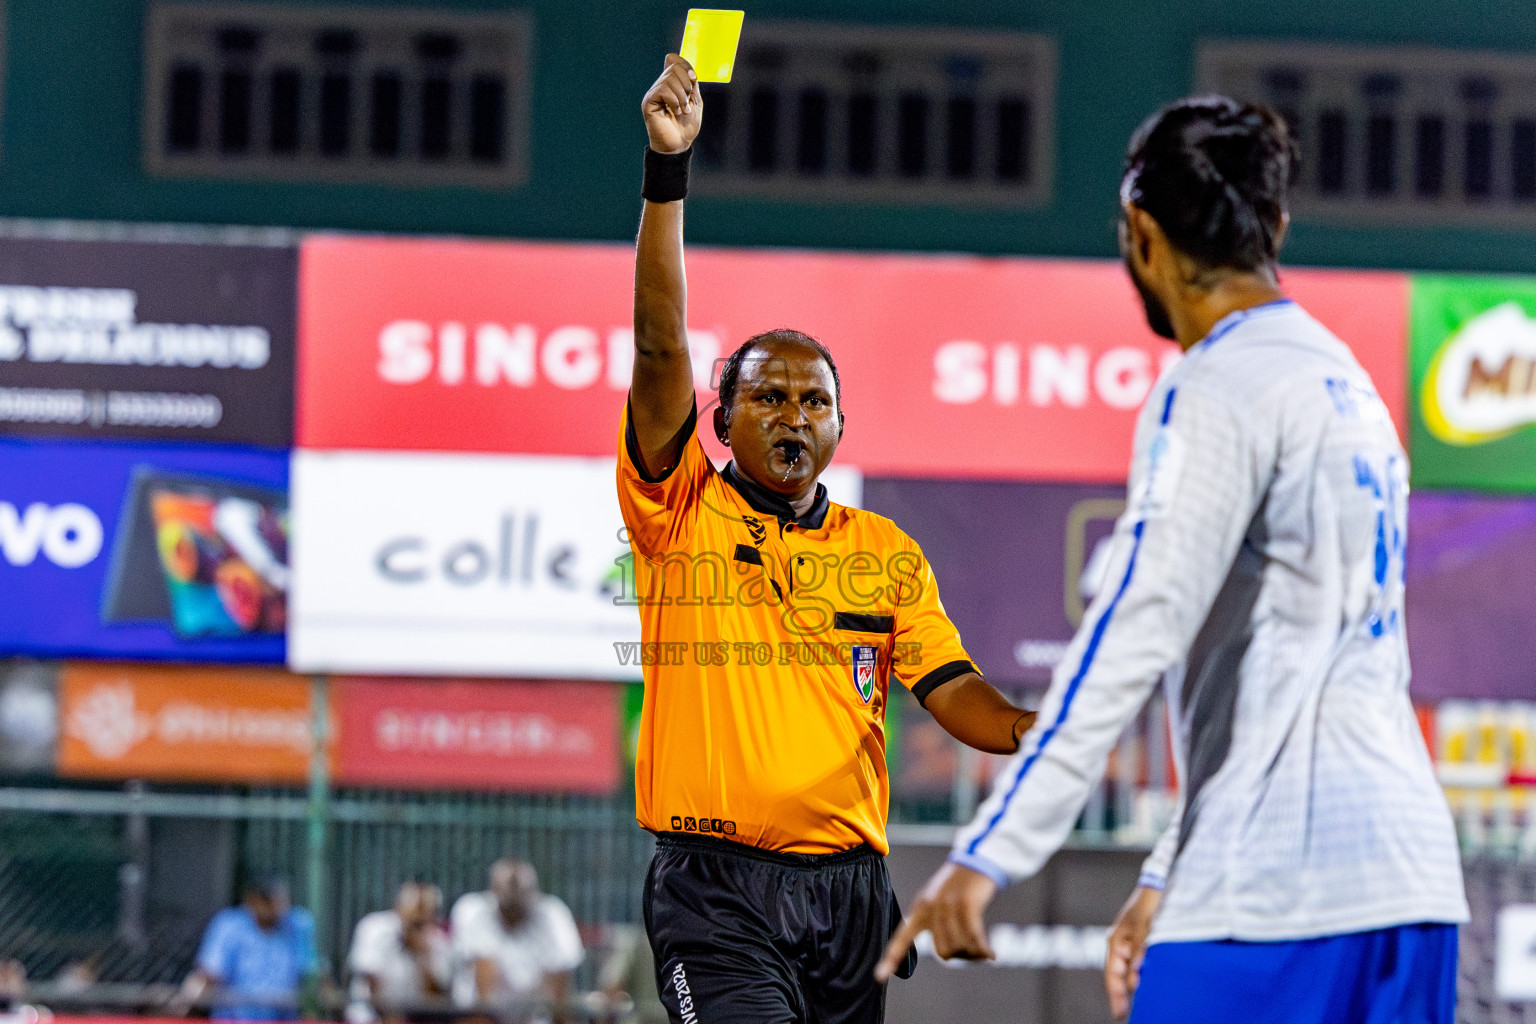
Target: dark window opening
x,y
237,39
283,115
183,131
336,42
235,94
385,113
811,151
711,141
436,117
1381,155
863,108
437,46
961,150
1012,139
1522,159
1332,152
1477,173
763,130
487,118
1429,157
335,114
912,134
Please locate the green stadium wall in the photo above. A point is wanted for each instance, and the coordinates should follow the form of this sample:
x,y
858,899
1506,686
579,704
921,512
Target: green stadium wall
x,y
71,129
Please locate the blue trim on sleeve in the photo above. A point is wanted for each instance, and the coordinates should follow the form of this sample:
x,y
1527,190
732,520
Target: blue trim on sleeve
x,y
981,866
1150,881
1082,670
1066,704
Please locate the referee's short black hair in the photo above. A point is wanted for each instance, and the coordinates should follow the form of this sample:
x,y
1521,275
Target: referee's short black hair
x,y
730,372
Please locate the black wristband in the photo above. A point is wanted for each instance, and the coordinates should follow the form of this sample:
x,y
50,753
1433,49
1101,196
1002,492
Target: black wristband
x,y
666,175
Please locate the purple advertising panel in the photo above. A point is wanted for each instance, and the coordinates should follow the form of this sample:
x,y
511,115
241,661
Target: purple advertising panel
x,y
1471,596
1016,563
124,550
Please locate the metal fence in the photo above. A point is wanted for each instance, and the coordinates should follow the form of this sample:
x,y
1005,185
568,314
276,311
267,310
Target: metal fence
x,y
90,879
1493,880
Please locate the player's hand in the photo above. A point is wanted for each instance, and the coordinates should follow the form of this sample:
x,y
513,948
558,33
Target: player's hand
x,y
951,906
1128,947
673,108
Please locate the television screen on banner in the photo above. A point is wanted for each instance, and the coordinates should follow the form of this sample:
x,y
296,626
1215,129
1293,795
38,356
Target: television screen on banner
x,y
123,550
155,341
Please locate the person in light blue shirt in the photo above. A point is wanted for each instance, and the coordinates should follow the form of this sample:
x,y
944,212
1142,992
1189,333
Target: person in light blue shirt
x,y
262,951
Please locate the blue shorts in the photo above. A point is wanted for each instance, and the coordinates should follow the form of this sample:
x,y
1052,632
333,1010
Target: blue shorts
x,y
1403,975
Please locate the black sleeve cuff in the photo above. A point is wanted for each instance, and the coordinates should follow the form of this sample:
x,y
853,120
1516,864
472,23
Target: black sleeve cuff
x,y
938,677
632,445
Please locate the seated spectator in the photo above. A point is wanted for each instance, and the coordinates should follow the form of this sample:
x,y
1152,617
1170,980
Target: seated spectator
x,y
13,983
399,957
513,942
630,973
255,958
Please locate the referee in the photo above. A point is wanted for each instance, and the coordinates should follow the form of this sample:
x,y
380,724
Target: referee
x,y
774,621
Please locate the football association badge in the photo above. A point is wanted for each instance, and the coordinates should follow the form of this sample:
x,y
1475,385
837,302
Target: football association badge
x,y
864,659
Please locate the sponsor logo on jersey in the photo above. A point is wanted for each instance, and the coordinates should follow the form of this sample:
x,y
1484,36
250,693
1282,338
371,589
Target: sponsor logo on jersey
x,y
864,662
1481,385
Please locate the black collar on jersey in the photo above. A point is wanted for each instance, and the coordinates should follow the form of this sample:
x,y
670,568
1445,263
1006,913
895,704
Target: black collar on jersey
x,y
769,504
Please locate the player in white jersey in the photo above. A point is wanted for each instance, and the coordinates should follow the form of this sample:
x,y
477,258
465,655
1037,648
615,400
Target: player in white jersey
x,y
1311,871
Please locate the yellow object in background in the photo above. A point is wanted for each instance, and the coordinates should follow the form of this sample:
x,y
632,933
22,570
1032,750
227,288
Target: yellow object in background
x,y
709,43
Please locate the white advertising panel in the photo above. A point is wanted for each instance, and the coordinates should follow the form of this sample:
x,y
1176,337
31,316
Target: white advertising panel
x,y
460,564
1515,975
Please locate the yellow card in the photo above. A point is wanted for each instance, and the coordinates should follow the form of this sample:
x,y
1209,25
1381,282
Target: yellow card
x,y
709,43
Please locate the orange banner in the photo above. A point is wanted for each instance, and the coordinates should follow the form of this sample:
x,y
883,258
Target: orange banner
x,y
183,723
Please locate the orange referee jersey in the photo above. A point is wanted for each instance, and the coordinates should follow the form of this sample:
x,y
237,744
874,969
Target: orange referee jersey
x,y
768,642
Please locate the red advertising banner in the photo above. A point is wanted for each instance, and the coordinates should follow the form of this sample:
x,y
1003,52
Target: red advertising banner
x,y
952,366
523,736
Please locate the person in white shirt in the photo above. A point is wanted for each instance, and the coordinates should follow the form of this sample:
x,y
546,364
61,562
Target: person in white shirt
x,y
399,957
1311,871
513,942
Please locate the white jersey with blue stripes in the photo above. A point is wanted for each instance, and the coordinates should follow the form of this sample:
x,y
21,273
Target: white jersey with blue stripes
x,y
1257,573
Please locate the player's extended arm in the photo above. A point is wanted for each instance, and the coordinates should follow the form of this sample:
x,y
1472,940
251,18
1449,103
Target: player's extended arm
x,y
972,711
1193,495
661,385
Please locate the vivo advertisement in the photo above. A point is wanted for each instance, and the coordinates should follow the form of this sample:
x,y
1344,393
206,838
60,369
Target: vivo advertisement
x,y
143,551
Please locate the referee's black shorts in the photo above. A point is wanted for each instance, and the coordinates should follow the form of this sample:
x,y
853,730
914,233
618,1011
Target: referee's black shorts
x,y
748,936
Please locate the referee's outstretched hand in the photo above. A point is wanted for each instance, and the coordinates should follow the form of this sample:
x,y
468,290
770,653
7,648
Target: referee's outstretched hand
x,y
951,906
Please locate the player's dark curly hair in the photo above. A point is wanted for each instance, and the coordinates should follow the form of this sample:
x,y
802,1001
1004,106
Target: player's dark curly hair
x,y
730,372
1214,174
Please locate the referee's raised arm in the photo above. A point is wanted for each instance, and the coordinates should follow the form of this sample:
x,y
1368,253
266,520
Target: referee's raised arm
x,y
661,385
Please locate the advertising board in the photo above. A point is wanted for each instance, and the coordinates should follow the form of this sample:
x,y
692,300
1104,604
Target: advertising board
x,y
164,341
952,366
124,550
